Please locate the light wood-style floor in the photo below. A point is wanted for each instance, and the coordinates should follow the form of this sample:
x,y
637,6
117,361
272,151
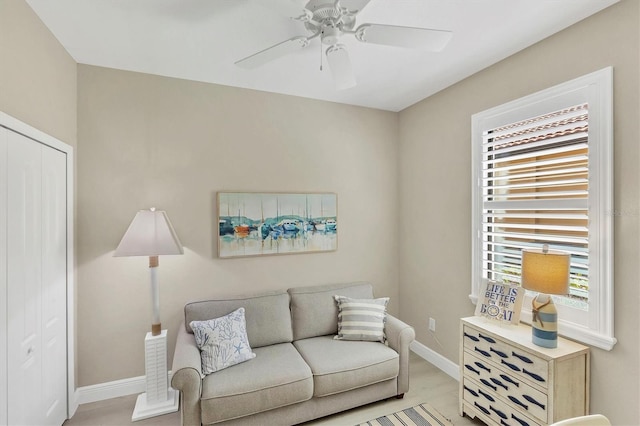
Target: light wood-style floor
x,y
427,384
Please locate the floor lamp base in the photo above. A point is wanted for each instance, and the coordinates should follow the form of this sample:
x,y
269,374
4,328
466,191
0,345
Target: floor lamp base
x,y
145,410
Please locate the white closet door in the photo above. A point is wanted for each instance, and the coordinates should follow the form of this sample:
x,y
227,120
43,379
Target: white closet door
x,y
54,286
3,277
36,285
24,237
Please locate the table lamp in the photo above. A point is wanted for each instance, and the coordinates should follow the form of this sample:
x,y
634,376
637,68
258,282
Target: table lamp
x,y
151,234
546,272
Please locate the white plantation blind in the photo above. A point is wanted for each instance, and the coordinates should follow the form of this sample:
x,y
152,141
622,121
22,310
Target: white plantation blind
x,y
542,172
535,191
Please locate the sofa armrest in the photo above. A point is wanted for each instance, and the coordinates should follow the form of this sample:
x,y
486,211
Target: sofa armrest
x,y
187,376
399,337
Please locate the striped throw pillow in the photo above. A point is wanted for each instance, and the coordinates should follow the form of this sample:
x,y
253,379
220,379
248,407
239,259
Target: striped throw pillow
x,y
361,319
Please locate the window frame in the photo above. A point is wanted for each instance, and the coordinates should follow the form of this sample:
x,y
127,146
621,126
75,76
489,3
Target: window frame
x,y
596,328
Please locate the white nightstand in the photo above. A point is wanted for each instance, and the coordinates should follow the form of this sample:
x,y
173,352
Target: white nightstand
x,y
507,380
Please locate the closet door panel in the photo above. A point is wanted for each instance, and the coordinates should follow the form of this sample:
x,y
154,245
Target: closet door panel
x,y
3,277
24,236
54,286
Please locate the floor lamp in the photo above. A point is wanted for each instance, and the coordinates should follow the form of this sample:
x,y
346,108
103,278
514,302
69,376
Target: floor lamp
x,y
151,234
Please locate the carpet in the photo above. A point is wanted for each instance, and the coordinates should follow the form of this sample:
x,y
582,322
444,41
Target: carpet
x,y
420,415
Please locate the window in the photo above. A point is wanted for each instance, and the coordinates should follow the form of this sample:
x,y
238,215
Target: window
x,y
542,174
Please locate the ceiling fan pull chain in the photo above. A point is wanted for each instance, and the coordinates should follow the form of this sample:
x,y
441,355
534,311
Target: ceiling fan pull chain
x,y
321,54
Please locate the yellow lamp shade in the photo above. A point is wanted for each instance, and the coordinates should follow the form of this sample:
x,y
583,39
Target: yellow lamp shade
x,y
545,271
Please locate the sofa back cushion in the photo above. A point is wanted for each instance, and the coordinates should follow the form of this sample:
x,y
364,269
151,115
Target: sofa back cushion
x,y
267,316
314,310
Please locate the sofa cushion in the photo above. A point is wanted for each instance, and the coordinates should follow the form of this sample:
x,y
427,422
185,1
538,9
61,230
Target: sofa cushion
x,y
267,315
314,311
361,319
222,341
276,377
339,365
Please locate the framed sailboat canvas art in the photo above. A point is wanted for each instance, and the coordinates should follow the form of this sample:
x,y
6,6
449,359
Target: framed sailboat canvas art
x,y
256,224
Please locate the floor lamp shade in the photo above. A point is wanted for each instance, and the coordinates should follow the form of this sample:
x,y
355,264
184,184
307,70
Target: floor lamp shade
x,y
149,234
546,272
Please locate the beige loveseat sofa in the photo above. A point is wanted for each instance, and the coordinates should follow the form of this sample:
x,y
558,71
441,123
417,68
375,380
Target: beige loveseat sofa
x,y
300,371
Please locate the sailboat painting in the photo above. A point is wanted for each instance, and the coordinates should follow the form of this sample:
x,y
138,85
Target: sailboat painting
x,y
256,224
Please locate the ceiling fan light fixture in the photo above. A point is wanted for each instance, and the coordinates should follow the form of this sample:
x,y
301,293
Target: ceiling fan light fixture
x,y
330,35
340,66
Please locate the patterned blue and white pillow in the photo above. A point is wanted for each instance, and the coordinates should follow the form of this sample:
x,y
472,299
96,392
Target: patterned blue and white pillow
x,y
361,319
223,341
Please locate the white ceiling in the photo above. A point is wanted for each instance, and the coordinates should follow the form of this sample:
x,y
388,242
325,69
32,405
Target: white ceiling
x,y
201,39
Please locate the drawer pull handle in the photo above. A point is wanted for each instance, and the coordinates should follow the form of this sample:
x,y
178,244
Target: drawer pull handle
x,y
474,338
487,338
533,401
499,413
511,366
482,366
484,410
522,422
499,383
486,382
510,380
471,391
534,375
517,401
485,353
470,368
499,353
522,358
487,396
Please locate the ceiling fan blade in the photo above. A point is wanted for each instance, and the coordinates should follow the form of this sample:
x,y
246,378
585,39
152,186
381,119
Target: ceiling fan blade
x,y
340,65
353,6
294,9
273,52
392,35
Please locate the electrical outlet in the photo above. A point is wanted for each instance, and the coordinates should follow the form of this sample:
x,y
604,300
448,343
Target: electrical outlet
x,y
432,324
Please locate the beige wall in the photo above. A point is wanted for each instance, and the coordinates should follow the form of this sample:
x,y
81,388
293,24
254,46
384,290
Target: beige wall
x,y
154,141
37,76
435,182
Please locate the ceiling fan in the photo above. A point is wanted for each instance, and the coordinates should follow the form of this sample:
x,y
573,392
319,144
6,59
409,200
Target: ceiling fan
x,y
330,20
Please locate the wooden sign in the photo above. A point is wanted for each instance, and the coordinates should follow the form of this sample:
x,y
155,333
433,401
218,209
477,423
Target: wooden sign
x,y
501,302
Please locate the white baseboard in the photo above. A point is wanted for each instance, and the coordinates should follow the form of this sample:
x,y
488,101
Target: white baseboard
x,y
136,385
115,389
449,367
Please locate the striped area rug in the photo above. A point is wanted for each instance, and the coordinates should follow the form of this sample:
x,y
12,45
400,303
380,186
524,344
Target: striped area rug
x,y
420,415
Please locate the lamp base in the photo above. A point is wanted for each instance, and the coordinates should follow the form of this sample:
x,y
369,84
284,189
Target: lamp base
x,y
145,410
544,323
158,398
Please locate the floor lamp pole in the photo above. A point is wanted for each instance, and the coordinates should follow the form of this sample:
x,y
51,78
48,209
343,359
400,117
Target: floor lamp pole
x,y
156,327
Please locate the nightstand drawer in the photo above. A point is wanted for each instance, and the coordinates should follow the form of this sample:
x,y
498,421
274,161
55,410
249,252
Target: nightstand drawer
x,y
494,408
491,380
519,363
